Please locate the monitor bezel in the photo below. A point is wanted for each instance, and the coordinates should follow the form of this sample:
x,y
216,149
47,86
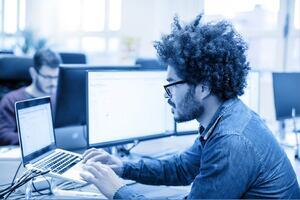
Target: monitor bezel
x,y
127,140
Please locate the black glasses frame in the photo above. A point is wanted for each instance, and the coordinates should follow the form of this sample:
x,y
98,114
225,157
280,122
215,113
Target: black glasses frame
x,y
167,87
45,76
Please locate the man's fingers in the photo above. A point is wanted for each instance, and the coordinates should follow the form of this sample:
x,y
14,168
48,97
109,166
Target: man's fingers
x,y
101,158
91,155
93,150
93,170
88,151
102,168
88,177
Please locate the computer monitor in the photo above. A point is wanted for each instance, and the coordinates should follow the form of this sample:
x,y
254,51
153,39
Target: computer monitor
x,y
70,112
286,94
252,91
127,106
70,98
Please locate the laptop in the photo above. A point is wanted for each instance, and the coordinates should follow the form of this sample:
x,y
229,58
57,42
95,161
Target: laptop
x,y
38,143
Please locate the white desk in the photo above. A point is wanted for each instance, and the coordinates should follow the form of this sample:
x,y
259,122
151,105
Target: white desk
x,y
9,162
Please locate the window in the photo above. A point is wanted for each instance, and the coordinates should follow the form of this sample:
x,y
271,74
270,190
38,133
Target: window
x,y
258,22
93,15
245,14
95,23
10,16
12,21
297,14
115,15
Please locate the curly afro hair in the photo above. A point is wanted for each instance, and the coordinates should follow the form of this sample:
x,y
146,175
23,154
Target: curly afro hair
x,y
212,53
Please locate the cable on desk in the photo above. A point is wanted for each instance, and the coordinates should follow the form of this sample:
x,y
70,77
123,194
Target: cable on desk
x,y
16,173
40,193
27,176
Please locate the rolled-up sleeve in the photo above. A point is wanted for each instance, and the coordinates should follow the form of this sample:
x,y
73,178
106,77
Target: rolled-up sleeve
x,y
179,169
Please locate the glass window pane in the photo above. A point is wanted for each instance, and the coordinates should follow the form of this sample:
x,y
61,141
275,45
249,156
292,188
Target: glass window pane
x,y
10,16
71,44
1,11
245,14
115,10
264,53
22,14
69,16
113,44
93,44
93,15
293,55
297,14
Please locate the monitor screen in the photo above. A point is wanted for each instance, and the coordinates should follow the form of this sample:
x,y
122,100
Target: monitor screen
x,y
71,94
35,127
124,106
286,94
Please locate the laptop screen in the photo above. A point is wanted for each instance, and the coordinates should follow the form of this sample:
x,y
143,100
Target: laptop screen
x,y
35,126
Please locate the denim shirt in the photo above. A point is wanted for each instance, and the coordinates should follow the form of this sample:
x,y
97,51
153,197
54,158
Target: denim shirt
x,y
236,156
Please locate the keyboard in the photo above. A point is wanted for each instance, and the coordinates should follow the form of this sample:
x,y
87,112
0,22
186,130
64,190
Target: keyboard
x,y
59,162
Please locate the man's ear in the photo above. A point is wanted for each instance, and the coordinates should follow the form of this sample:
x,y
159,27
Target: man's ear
x,y
202,91
32,73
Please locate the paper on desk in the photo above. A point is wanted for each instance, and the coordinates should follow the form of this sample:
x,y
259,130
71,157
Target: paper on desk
x,y
10,153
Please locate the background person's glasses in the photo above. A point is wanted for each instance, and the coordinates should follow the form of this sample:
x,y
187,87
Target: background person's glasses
x,y
46,76
167,87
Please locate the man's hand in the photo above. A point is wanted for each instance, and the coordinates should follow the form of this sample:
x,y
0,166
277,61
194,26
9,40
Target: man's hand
x,y
103,177
99,155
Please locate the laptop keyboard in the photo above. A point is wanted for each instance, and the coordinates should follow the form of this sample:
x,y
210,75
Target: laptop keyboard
x,y
58,162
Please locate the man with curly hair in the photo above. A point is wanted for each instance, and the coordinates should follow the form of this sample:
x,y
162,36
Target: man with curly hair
x,y
235,154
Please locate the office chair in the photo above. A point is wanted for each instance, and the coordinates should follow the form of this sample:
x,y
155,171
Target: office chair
x,y
14,73
73,58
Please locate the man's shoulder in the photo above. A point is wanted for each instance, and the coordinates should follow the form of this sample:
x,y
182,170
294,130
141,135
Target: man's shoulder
x,y
236,118
15,95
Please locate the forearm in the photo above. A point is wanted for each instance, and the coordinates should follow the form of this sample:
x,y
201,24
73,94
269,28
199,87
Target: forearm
x,y
158,172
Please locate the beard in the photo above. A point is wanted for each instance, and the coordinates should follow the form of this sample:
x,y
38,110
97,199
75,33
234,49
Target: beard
x,y
188,109
49,90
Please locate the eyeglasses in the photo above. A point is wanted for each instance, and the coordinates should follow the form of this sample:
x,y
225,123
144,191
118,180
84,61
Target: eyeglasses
x,y
167,87
46,76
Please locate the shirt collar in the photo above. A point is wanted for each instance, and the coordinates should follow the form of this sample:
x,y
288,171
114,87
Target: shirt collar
x,y
205,133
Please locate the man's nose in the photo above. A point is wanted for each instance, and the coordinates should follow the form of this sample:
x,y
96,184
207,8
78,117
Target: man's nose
x,y
166,95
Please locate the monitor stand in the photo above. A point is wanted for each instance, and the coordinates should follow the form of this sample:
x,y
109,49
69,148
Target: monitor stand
x,y
71,137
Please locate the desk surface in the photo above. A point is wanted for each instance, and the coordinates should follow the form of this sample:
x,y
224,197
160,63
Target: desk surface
x,y
8,165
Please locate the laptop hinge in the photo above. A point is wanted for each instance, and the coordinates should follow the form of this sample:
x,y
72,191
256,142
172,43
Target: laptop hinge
x,y
40,157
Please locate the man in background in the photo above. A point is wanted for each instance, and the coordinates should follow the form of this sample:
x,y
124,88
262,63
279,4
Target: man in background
x,y
235,154
44,76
